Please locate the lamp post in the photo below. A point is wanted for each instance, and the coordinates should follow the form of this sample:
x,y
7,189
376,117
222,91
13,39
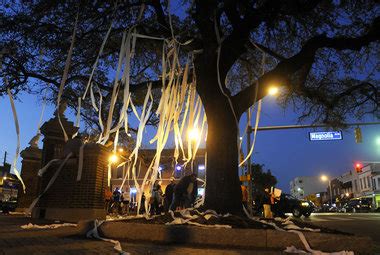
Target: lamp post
x,y
273,90
194,135
325,178
249,166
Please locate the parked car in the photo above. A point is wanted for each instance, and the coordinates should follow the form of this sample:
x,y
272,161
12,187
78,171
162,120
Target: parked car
x,y
290,204
358,205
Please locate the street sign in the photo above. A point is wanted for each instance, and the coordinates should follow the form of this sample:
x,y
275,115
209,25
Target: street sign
x,y
325,136
245,178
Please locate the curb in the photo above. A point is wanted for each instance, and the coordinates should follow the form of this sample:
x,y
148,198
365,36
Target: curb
x,y
222,237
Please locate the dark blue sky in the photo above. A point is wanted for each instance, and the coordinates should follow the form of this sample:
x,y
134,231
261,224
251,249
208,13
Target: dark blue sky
x,y
288,153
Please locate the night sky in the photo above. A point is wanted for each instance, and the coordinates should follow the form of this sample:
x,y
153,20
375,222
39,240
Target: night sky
x,y
287,153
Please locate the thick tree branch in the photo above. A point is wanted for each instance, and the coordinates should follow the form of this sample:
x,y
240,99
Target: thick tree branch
x,y
282,73
234,45
266,50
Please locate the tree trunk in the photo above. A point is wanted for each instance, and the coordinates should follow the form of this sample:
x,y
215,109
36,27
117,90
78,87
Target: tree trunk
x,y
223,192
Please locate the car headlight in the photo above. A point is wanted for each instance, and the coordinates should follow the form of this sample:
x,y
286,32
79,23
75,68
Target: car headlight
x,y
306,204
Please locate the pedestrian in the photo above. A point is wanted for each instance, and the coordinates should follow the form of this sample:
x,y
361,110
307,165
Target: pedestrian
x,y
169,190
267,204
107,198
185,192
116,195
156,199
126,201
244,195
142,204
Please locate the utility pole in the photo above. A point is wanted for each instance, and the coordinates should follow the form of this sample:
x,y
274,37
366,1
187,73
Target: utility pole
x,y
330,193
5,158
249,167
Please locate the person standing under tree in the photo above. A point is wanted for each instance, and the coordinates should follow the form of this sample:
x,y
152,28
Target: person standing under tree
x,y
169,190
244,194
156,199
185,192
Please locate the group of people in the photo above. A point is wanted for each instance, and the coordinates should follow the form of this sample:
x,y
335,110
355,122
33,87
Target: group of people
x,y
177,196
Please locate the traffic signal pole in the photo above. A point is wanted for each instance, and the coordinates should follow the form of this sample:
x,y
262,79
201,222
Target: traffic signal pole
x,y
311,126
249,166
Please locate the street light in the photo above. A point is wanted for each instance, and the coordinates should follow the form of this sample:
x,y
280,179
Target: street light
x,y
273,90
193,134
378,140
113,158
325,178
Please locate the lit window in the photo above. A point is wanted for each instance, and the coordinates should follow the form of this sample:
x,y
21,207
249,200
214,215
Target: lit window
x,y
201,167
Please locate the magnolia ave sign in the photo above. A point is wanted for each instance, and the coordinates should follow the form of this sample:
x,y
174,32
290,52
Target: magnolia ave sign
x,y
325,136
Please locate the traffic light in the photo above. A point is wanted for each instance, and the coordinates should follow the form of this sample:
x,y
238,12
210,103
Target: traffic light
x,y
358,167
358,135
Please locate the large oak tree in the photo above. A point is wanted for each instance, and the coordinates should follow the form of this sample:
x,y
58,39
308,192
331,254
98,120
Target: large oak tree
x,y
324,53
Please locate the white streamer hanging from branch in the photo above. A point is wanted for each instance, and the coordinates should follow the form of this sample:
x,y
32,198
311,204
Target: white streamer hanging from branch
x,y
257,116
77,122
14,165
42,111
64,77
97,60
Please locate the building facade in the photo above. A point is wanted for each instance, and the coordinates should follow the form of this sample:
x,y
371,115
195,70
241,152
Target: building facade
x,y
362,184
369,183
303,186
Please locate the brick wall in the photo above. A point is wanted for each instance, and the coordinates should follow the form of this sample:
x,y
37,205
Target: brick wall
x,y
66,192
29,175
31,163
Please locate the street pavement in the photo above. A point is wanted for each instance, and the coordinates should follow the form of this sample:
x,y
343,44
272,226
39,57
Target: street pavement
x,y
64,241
365,224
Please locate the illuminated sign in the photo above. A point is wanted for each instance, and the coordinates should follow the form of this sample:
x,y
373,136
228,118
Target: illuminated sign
x,y
325,136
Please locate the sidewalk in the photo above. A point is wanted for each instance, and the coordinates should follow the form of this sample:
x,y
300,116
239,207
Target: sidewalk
x,y
15,240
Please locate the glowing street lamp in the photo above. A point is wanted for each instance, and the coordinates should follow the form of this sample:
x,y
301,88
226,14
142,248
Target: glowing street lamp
x,y
378,140
273,90
194,134
113,158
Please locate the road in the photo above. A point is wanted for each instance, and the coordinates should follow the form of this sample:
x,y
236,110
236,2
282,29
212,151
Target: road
x,y
366,224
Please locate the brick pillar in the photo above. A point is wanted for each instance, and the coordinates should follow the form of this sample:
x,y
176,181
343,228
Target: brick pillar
x,y
31,163
72,200
54,142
